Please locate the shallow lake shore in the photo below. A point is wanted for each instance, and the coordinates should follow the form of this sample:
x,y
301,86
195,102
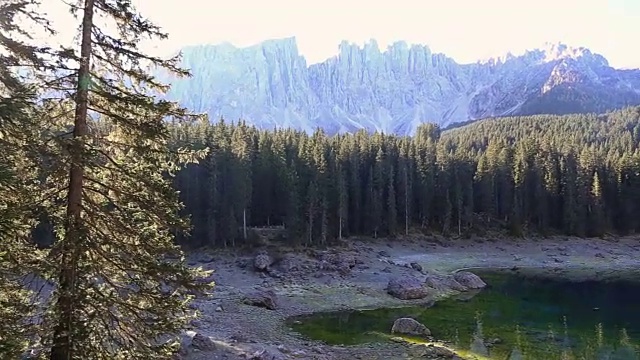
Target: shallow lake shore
x,y
355,276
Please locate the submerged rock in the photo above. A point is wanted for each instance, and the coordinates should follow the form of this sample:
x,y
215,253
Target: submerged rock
x,y
407,288
265,299
441,353
444,283
478,346
409,326
626,352
516,354
432,352
469,280
466,295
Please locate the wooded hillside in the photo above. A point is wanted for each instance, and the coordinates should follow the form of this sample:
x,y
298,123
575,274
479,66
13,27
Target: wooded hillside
x,y
574,175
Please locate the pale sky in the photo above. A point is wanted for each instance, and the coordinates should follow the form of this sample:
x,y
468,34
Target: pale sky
x,y
466,30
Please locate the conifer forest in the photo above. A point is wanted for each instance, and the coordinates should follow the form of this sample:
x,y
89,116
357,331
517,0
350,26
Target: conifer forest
x,y
568,175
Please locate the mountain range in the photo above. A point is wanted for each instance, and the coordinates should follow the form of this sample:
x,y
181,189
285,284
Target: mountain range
x,y
393,90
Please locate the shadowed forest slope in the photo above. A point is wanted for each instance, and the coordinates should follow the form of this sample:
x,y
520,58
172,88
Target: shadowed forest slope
x,y
572,174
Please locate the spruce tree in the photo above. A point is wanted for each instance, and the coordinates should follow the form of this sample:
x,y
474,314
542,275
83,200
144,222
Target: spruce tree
x,y
18,186
20,145
121,283
20,195
392,210
342,189
377,193
404,185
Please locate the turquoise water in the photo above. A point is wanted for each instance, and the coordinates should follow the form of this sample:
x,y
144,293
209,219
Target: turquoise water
x,y
535,318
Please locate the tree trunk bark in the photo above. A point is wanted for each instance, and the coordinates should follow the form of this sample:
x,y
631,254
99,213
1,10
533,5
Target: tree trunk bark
x,y
406,203
63,341
244,223
310,239
323,225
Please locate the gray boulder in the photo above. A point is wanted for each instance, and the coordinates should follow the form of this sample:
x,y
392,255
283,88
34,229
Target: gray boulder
x,y
416,266
432,352
444,283
202,343
469,280
267,354
340,262
265,299
409,326
262,262
407,288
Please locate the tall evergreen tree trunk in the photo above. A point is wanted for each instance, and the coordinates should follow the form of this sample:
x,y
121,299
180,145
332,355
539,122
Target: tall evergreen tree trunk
x,y
63,341
244,223
323,225
121,284
406,202
310,227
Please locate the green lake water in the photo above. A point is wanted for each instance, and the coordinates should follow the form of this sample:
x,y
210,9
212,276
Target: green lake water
x,y
531,318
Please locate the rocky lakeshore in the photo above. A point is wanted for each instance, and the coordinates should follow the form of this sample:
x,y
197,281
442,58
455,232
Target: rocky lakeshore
x,y
257,291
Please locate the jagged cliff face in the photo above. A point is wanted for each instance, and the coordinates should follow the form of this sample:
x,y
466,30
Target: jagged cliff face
x,y
270,85
267,85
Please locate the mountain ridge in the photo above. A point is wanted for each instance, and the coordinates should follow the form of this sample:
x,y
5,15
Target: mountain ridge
x,y
270,84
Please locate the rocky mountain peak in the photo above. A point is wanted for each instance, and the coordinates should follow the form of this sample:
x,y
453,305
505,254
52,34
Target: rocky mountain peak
x,y
560,51
395,89
548,53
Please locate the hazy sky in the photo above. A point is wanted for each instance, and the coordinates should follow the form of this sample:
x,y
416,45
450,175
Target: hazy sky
x,y
466,30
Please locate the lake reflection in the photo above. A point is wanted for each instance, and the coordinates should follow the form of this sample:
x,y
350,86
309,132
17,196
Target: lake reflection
x,y
516,317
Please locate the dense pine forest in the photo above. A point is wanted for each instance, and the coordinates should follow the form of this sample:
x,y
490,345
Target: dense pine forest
x,y
574,175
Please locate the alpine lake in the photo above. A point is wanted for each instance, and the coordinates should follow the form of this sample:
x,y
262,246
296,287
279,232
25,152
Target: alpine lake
x,y
515,317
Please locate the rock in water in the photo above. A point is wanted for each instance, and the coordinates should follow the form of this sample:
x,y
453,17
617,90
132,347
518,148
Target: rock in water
x,y
469,280
444,283
265,299
409,326
478,346
430,351
407,288
202,342
516,354
439,352
262,262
